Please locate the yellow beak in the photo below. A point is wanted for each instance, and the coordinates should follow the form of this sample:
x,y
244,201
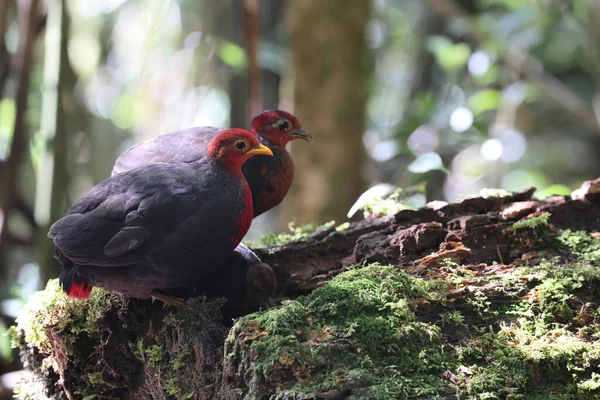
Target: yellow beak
x,y
260,149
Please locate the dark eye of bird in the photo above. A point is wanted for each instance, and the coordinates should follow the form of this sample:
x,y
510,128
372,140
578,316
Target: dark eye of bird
x,y
283,124
240,145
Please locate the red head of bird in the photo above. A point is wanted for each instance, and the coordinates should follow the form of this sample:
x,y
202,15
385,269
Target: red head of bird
x,y
279,127
234,146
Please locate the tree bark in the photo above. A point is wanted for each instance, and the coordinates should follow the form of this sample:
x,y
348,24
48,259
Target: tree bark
x,y
330,74
471,262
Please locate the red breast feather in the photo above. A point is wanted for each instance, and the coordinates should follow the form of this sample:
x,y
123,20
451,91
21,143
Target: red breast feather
x,y
269,178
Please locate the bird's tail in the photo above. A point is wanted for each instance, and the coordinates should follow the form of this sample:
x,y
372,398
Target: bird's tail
x,y
73,285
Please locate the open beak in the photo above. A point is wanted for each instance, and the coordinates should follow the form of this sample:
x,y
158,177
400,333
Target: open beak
x,y
260,149
301,134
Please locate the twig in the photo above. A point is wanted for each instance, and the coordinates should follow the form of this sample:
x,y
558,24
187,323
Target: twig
x,y
251,20
519,60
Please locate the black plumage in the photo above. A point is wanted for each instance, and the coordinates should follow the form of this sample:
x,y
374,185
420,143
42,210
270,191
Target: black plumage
x,y
159,226
244,280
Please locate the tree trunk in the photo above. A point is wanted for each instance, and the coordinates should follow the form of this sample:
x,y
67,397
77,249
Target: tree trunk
x,y
28,20
53,176
494,295
330,73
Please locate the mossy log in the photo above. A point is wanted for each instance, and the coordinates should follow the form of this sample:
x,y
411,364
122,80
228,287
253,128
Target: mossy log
x,y
490,298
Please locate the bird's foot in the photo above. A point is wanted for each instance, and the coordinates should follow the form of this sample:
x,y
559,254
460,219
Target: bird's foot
x,y
168,300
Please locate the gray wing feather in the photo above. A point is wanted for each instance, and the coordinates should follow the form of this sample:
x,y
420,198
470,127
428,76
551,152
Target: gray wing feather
x,y
182,146
131,237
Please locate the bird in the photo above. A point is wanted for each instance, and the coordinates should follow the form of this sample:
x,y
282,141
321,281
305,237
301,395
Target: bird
x,y
159,226
269,178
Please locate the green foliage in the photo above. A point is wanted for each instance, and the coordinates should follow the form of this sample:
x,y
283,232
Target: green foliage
x,y
126,112
7,124
451,56
484,100
5,343
553,190
232,55
427,162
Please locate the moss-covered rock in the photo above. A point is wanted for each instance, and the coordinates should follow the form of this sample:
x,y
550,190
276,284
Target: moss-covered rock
x,y
371,333
353,333
491,298
108,347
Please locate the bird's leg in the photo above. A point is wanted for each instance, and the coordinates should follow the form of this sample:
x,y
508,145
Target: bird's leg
x,y
168,300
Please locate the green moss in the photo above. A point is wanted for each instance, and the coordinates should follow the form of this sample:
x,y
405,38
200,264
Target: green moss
x,y
363,329
69,322
550,348
359,329
283,319
342,227
172,387
524,357
171,349
52,308
539,236
533,222
155,355
452,317
32,320
580,244
87,337
526,332
30,388
182,359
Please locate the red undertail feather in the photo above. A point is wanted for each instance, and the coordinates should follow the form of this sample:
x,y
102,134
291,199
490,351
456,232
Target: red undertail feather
x,y
245,217
79,290
73,285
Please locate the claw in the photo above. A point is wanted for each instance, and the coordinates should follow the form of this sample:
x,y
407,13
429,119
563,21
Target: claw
x,y
167,300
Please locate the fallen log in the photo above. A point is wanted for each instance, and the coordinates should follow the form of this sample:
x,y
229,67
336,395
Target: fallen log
x,y
492,297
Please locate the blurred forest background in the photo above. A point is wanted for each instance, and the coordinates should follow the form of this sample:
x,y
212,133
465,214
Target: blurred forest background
x,y
459,95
